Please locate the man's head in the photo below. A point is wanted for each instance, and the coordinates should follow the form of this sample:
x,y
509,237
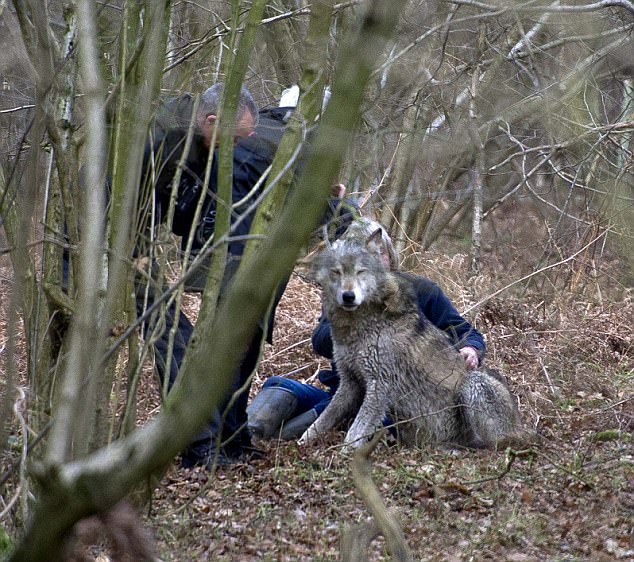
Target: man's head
x,y
209,105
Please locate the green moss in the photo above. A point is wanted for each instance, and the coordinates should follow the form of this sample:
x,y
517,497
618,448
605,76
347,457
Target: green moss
x,y
611,435
6,544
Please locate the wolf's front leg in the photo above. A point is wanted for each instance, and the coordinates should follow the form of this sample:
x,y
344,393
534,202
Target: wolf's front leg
x,y
344,404
370,417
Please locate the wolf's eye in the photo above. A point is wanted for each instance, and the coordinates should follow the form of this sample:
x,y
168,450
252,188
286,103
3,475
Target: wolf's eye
x,y
335,272
362,271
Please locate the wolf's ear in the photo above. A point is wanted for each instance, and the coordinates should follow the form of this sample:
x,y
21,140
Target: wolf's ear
x,y
375,241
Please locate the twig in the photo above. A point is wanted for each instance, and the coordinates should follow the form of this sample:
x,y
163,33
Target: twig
x,y
16,109
629,6
11,502
286,349
15,464
387,523
568,471
511,455
553,389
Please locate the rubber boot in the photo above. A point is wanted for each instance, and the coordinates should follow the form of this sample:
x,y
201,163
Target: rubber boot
x,y
294,428
269,409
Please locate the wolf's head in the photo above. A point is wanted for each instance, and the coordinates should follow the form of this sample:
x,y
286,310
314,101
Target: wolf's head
x,y
351,272
364,230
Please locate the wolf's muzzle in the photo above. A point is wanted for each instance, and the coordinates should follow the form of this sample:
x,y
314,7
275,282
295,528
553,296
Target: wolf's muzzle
x,y
348,300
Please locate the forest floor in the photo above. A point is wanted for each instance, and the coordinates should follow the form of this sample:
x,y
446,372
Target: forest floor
x,y
570,361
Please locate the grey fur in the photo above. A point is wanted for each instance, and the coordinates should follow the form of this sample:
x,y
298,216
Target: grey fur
x,y
393,361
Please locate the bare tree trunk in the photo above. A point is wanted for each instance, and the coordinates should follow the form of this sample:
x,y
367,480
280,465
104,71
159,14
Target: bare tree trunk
x,y
355,541
623,189
140,86
477,173
283,43
87,323
26,180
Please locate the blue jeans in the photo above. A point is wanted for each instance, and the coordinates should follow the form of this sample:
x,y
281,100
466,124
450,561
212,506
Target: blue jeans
x,y
308,396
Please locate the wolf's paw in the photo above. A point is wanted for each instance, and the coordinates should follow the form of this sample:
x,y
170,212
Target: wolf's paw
x,y
353,442
308,436
348,450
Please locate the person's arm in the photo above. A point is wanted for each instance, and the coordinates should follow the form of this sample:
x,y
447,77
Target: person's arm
x,y
340,214
441,312
321,338
322,345
248,167
161,158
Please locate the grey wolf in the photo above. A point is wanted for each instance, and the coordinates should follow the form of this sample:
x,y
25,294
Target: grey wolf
x,y
392,360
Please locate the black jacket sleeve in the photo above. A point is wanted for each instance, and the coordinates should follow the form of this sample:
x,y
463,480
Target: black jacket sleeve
x,y
440,311
161,158
339,215
321,338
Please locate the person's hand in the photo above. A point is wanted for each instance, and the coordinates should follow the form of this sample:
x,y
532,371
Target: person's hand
x,y
338,190
470,356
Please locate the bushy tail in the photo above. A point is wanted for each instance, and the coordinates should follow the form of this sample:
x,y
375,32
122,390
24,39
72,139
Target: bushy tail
x,y
489,412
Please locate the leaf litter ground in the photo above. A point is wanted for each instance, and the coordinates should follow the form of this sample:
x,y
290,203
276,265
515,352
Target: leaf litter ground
x,y
570,362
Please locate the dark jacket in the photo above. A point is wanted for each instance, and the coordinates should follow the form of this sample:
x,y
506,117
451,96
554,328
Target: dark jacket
x,y
251,158
163,151
434,305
